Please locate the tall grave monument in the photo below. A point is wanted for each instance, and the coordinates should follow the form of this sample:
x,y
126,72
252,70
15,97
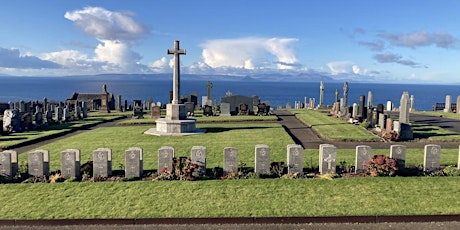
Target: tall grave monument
x,y
176,122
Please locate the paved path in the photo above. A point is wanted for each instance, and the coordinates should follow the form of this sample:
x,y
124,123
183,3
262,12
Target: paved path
x,y
309,139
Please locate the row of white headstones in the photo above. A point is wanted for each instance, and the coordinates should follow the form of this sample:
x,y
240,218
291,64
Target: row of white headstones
x,y
38,160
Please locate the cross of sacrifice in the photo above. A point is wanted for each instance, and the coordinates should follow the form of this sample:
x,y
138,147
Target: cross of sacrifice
x,y
176,73
329,161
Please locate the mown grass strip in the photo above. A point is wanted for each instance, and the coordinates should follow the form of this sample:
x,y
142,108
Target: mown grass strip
x,y
203,119
333,128
233,198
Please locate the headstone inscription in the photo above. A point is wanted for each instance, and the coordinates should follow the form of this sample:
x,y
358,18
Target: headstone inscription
x,y
327,158
198,156
262,159
432,157
399,153
38,163
133,162
295,158
165,159
8,164
363,155
70,163
230,160
102,162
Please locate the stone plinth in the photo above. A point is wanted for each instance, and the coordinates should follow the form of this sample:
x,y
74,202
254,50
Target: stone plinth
x,y
176,112
167,127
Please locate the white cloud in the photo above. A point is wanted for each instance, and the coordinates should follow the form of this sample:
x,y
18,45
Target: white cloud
x,y
11,58
340,67
250,53
161,65
117,32
420,38
356,69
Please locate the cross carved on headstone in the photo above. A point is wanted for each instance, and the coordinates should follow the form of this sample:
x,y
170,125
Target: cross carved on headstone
x,y
329,161
176,73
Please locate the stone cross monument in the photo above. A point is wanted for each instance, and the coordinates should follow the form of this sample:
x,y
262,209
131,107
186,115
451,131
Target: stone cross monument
x,y
176,122
321,95
209,85
176,72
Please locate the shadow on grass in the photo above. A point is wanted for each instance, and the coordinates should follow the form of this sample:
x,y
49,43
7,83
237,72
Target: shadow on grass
x,y
222,129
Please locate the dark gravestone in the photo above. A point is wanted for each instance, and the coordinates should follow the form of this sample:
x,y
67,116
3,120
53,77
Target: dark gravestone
x,y
262,159
380,108
244,109
133,162
165,159
261,109
70,163
207,111
156,112
138,112
230,160
38,163
8,164
190,108
102,162
236,100
361,108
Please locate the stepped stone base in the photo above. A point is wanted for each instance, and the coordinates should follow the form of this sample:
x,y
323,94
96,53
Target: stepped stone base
x,y
167,127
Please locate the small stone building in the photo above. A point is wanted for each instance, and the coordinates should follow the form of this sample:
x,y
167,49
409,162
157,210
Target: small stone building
x,y
93,100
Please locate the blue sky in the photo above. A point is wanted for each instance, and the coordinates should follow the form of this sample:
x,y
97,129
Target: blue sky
x,y
400,41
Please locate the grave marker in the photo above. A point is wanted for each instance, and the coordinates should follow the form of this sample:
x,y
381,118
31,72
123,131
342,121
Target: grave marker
x,y
399,153
327,158
38,163
102,162
262,159
133,162
230,160
8,164
165,159
363,155
295,158
70,163
432,157
199,157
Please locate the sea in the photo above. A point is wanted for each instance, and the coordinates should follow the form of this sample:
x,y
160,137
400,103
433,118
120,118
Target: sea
x,y
275,93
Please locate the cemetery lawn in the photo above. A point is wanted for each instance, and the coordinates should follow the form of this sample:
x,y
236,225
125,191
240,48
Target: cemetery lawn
x,y
433,133
15,139
233,198
332,128
203,119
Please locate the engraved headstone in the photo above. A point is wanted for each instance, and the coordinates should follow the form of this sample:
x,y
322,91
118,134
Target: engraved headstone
x,y
198,156
102,162
327,158
363,155
38,163
70,163
8,164
432,157
295,158
230,160
225,109
399,153
156,111
133,162
262,159
165,159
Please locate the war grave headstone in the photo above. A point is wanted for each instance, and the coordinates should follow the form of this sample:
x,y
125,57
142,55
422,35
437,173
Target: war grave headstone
x,y
133,162
230,160
295,158
102,162
8,164
165,159
224,109
38,163
198,156
432,157
399,153
363,155
262,159
327,158
70,163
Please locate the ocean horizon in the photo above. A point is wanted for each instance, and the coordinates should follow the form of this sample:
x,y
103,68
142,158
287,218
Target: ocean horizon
x,y
275,93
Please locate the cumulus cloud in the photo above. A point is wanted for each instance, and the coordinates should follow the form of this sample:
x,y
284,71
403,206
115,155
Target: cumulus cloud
x,y
161,65
374,46
117,32
250,53
389,57
343,67
11,58
420,38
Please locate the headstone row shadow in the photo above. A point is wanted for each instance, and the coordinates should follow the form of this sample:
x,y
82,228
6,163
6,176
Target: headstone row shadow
x,y
38,160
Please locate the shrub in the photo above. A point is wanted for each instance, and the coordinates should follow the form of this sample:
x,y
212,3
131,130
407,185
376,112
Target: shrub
x,y
365,125
182,169
382,165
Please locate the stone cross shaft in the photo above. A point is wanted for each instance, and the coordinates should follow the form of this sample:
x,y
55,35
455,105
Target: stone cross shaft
x,y
209,85
176,72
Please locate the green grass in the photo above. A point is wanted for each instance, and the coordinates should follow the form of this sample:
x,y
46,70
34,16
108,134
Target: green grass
x,y
441,114
333,128
15,139
200,119
433,133
233,198
243,136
